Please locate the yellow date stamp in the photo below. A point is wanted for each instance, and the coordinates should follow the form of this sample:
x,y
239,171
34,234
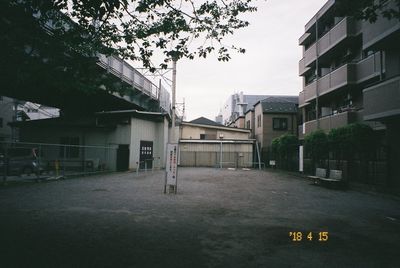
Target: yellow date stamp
x,y
310,236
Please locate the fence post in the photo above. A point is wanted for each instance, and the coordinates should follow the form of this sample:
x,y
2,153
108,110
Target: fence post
x,y
5,163
64,156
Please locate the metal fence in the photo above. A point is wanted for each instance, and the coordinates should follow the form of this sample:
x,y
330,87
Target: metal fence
x,y
371,168
21,160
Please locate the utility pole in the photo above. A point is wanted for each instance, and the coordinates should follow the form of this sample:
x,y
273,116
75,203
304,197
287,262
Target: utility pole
x,y
173,99
316,71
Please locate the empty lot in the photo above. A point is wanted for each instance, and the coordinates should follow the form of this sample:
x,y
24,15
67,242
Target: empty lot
x,y
219,218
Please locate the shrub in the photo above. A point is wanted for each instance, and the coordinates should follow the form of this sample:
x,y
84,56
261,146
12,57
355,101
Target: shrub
x,y
316,145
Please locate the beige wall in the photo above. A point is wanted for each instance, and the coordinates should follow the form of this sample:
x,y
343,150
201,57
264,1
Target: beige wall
x,y
208,154
193,132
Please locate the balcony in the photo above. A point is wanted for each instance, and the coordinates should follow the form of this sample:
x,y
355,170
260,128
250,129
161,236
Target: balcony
x,y
369,67
332,121
350,73
320,13
381,28
345,28
302,67
382,100
338,78
302,102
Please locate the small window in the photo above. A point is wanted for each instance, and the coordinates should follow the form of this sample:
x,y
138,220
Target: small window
x,y
259,120
248,124
202,136
1,122
280,124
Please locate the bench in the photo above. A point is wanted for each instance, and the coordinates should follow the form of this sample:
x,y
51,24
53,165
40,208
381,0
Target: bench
x,y
335,177
320,173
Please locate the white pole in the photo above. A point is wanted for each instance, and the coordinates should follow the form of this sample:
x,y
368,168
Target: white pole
x,y
173,99
220,157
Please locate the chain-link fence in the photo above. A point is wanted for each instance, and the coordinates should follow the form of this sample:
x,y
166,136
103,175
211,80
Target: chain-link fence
x,y
19,161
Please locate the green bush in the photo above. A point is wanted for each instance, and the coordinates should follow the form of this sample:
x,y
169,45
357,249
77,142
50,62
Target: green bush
x,y
316,145
284,148
345,142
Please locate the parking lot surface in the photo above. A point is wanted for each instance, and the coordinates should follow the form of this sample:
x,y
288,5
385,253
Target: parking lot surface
x,y
219,218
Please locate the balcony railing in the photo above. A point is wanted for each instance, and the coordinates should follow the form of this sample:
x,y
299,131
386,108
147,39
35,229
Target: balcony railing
x,y
369,67
382,100
126,72
301,99
347,74
302,67
332,121
339,32
382,27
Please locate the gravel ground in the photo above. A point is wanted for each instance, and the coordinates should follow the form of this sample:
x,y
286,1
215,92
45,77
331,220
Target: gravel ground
x,y
219,218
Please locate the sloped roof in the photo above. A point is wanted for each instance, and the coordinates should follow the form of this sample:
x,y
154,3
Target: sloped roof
x,y
205,121
280,104
252,100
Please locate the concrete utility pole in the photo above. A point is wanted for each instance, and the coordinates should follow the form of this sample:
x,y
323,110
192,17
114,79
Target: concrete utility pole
x,y
316,71
173,99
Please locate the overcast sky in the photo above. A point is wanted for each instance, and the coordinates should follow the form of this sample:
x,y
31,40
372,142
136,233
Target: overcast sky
x,y
269,66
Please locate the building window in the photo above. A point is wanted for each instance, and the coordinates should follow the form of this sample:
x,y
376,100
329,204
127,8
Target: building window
x,y
280,124
248,124
70,151
202,136
259,120
1,122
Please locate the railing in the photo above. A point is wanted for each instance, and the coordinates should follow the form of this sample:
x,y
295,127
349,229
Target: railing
x,y
322,11
382,27
340,31
302,67
332,121
310,91
382,100
130,75
369,67
301,99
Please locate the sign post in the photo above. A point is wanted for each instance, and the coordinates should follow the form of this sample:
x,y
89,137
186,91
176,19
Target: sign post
x,y
171,170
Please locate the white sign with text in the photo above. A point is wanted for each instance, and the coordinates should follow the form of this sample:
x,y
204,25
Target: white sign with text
x,y
172,164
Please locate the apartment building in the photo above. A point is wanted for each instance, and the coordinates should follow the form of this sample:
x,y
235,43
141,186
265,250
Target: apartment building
x,y
351,73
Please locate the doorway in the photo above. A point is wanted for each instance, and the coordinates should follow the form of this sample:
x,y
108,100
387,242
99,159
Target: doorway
x,y
146,154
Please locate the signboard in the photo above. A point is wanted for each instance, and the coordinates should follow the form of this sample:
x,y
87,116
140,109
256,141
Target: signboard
x,y
172,164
